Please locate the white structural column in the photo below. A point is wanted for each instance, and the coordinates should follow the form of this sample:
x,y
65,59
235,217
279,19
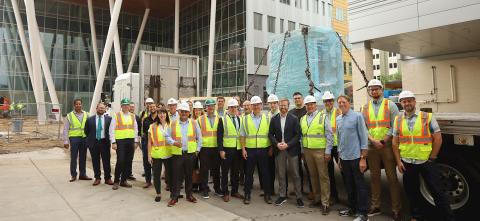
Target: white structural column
x,y
211,47
94,35
176,37
116,42
139,40
106,55
363,54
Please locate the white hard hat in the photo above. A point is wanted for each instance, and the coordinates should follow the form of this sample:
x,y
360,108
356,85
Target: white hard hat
x,y
405,94
183,106
232,103
149,100
310,99
197,104
255,100
272,98
171,101
328,96
375,82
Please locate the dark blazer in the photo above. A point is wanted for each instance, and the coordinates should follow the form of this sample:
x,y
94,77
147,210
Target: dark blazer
x,y
291,133
91,129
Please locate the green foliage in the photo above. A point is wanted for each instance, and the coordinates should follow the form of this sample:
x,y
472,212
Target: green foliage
x,y
391,77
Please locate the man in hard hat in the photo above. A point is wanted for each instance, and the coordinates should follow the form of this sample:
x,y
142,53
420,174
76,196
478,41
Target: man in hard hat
x,y
209,156
272,101
220,106
255,147
228,135
144,114
317,140
416,143
74,139
331,114
379,115
145,126
172,109
186,138
139,126
123,133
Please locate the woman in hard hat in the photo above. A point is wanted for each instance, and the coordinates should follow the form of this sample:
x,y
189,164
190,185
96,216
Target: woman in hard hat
x,y
197,110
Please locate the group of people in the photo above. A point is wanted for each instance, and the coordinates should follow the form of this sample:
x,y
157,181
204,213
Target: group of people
x,y
300,144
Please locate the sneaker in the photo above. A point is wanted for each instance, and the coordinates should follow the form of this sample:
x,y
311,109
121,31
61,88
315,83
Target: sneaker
x,y
361,218
300,203
345,212
280,201
374,212
205,195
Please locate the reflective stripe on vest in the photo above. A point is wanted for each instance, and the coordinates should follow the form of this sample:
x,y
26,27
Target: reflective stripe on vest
x,y
313,135
257,137
231,134
416,144
76,127
378,125
209,132
160,148
191,137
124,128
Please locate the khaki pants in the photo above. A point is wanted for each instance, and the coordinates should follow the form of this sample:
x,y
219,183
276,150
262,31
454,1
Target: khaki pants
x,y
318,168
375,158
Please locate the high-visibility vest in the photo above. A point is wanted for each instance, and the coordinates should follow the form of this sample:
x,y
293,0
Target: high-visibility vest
x,y
378,125
231,135
76,127
313,135
160,148
333,124
270,115
124,128
257,137
209,132
191,137
415,144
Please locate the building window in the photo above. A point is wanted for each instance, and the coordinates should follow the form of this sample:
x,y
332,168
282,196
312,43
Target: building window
x,y
345,68
394,65
339,14
390,65
285,2
271,24
258,54
330,10
298,3
378,67
392,54
291,25
315,6
257,21
282,30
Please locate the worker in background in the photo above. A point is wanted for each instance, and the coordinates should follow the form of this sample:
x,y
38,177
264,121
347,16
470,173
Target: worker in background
x,y
124,137
247,109
272,101
98,142
284,133
255,147
220,106
317,140
331,114
236,97
74,139
197,110
144,114
146,122
160,106
416,143
186,139
379,115
172,109
139,124
299,111
353,150
228,139
209,156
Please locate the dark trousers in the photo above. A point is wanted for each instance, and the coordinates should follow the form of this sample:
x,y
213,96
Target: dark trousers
x,y
431,176
303,164
182,168
230,164
147,168
209,162
157,172
357,189
78,150
241,167
331,173
125,149
254,156
101,150
129,167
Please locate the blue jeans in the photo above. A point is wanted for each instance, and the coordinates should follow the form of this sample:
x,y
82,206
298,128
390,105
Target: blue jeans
x,y
78,149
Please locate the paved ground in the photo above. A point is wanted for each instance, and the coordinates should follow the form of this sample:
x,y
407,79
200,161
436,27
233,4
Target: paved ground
x,y
35,185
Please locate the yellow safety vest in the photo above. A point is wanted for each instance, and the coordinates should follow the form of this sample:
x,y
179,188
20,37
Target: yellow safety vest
x,y
209,132
231,135
313,135
160,148
333,124
191,137
415,144
76,127
124,128
257,138
378,125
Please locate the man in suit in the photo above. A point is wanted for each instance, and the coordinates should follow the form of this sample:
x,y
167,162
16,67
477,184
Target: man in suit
x,y
284,133
98,143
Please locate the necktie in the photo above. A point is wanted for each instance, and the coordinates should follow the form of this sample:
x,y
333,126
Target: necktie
x,y
99,128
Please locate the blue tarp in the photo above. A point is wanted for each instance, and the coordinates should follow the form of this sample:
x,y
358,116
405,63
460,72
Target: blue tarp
x,y
326,63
